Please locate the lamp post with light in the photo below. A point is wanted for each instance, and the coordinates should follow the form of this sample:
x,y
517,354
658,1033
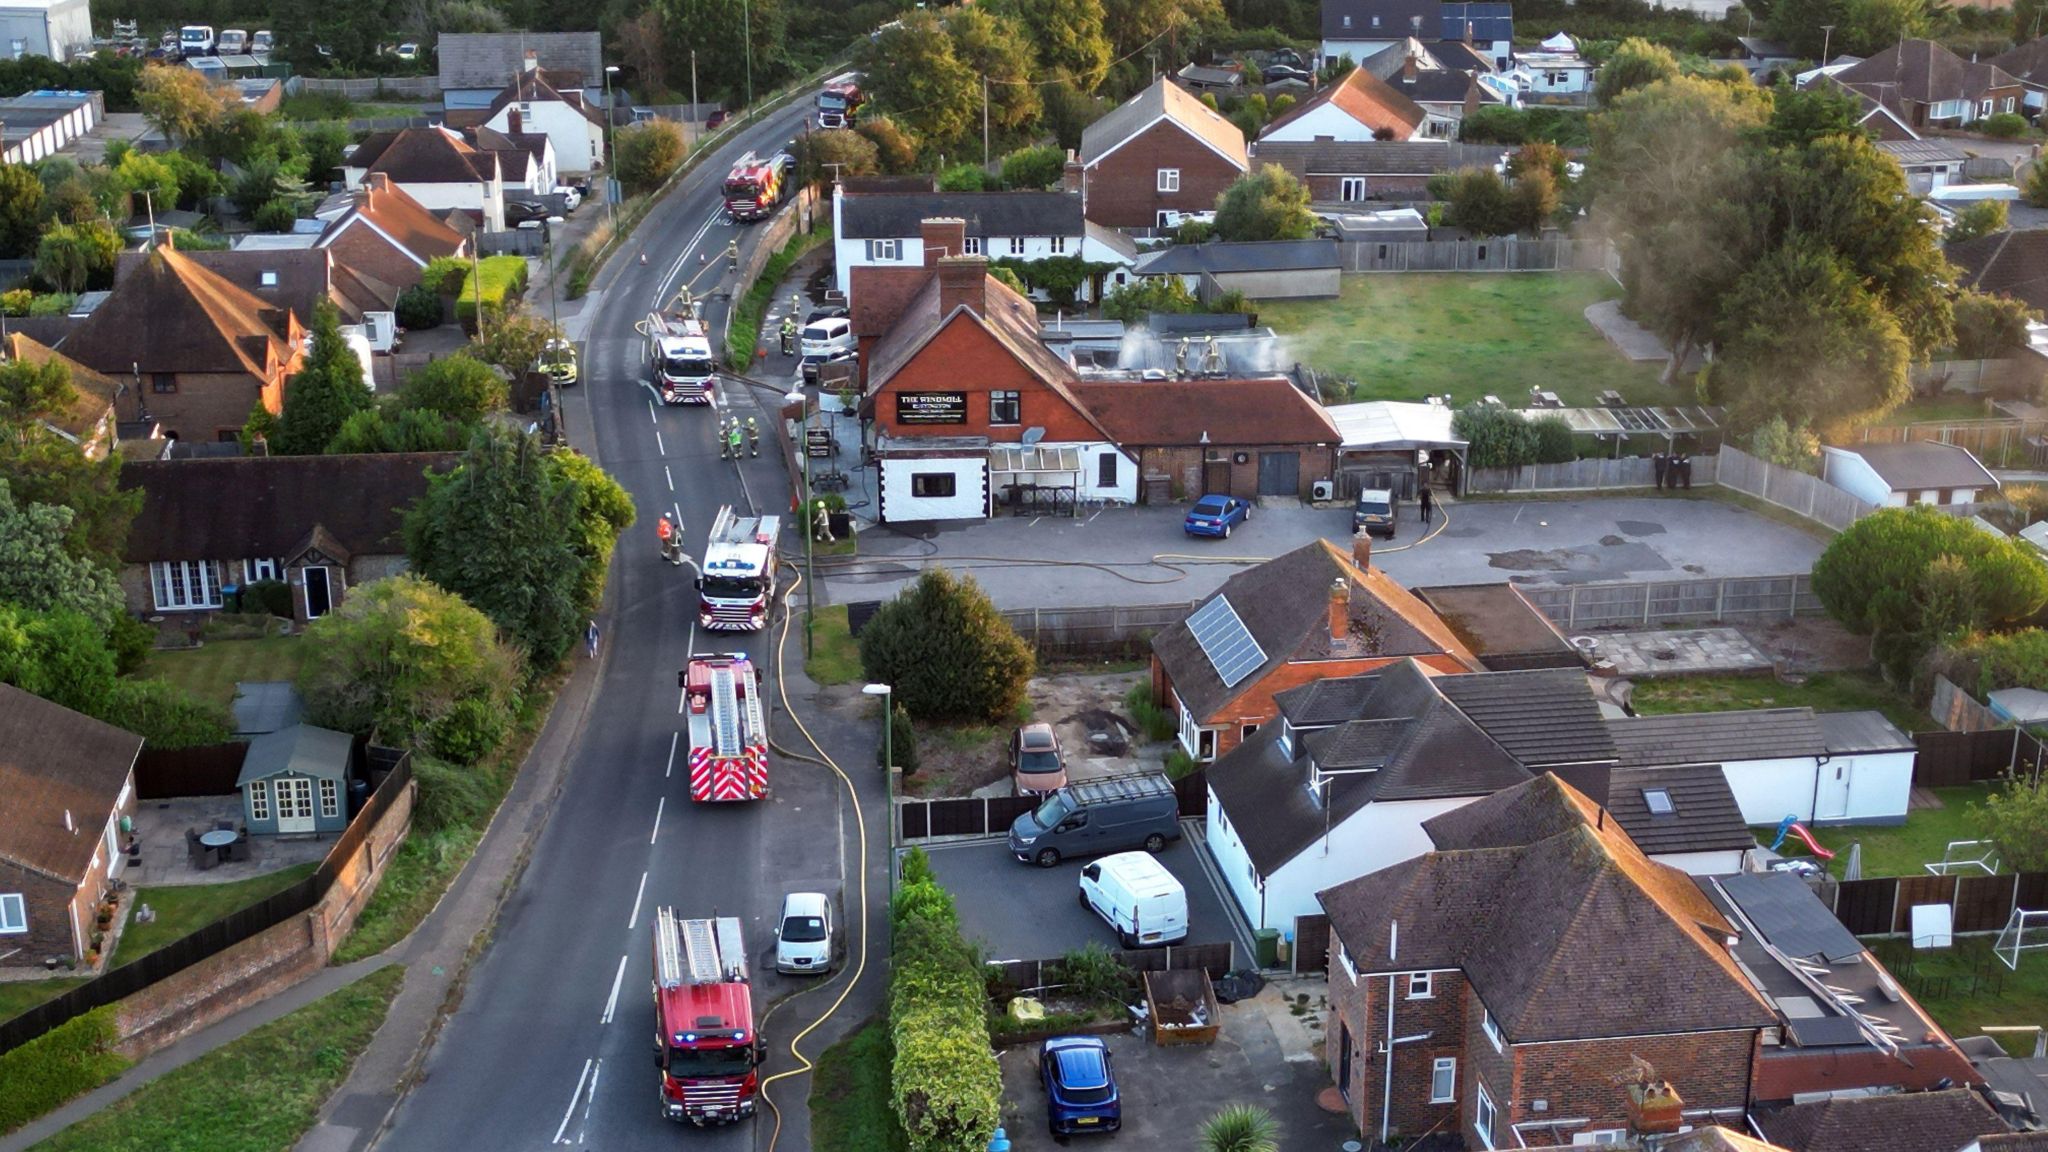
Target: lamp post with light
x,y
610,114
796,396
889,770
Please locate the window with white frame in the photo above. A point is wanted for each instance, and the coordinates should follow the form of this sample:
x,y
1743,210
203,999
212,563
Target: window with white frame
x,y
972,247
1059,245
885,249
1344,962
1984,109
1421,986
1443,1080
1600,1137
1483,1114
1246,732
256,570
2008,103
185,585
1169,180
112,839
1005,407
1491,1029
330,798
1015,245
259,799
13,913
1351,188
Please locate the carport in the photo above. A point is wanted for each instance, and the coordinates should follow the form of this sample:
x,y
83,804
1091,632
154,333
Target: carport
x,y
1699,425
1386,444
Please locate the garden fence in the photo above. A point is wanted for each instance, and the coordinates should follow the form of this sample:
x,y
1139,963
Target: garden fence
x,y
1095,633
372,87
1809,496
1883,905
1649,604
1953,759
1999,443
1957,711
992,815
1588,474
1215,959
1493,254
206,770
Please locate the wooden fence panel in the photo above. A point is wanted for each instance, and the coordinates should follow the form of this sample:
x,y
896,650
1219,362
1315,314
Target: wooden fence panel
x,y
967,816
1193,792
2029,755
1983,903
1952,759
1865,906
206,770
1311,943
1920,890
2031,892
914,820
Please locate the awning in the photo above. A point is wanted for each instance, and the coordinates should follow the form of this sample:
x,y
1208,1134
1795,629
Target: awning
x,y
1034,459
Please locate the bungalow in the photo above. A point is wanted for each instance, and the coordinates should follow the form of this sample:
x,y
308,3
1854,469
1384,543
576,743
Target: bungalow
x,y
1361,106
1260,269
1916,472
321,524
2027,62
1342,784
89,421
1932,86
1928,164
1820,768
69,781
1308,615
1345,172
883,229
574,128
1160,152
1445,92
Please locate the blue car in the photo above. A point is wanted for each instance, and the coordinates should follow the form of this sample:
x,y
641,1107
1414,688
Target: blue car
x,y
1080,1087
1214,516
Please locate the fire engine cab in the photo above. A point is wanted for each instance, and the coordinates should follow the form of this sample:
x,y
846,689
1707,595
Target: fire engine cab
x,y
679,359
757,185
738,578
728,730
705,1043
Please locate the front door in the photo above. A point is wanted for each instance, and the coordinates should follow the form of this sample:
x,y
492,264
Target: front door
x,y
1279,473
1831,797
319,598
1215,478
1344,1059
294,804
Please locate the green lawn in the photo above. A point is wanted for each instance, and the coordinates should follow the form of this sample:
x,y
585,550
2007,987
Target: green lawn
x,y
1825,692
850,1109
835,654
1907,849
182,909
212,670
1406,335
260,1093
18,996
1966,988
1953,406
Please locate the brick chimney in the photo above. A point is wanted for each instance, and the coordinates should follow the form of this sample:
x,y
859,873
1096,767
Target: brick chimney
x,y
517,123
1340,610
1070,176
1361,550
1408,67
532,61
1468,35
377,181
963,280
942,236
1654,1108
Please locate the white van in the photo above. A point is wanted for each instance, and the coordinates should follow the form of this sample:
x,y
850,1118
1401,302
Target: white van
x,y
195,40
826,335
233,41
1138,897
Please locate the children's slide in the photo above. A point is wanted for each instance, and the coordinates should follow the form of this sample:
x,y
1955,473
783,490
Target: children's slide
x,y
1790,825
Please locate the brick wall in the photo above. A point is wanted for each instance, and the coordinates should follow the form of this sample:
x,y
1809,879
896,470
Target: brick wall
x,y
1709,1069
1122,190
206,404
1330,189
1484,1065
1781,1072
1186,467
270,961
963,357
1361,1007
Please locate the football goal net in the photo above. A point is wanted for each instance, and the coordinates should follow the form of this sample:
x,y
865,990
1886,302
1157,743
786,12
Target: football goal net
x,y
1967,856
2025,932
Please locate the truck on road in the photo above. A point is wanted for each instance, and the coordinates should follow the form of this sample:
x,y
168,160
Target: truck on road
x,y
838,101
758,185
705,1043
679,358
728,729
738,576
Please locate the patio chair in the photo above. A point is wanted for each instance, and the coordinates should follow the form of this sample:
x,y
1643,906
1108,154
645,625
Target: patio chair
x,y
239,850
202,858
224,825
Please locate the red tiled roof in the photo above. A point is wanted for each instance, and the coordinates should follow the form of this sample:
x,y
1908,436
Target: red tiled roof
x,y
396,214
1365,98
1144,413
57,767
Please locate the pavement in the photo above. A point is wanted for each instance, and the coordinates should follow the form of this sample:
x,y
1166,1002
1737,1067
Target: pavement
x,y
1683,652
1139,555
1018,911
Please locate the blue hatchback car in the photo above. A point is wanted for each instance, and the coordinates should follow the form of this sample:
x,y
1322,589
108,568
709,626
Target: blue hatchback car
x,y
1214,516
1080,1086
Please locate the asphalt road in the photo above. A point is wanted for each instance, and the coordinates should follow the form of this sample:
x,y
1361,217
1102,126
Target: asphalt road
x,y
554,1035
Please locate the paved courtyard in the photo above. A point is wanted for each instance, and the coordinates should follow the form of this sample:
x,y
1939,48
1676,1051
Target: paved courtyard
x,y
1129,556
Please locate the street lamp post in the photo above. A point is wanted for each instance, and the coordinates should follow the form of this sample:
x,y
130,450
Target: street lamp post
x,y
796,396
610,114
889,770
747,31
1827,33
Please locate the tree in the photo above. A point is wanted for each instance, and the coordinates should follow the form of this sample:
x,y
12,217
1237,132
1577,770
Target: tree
x,y
914,74
21,211
499,530
458,387
73,257
419,308
1871,26
163,714
895,151
45,469
1134,301
966,178
947,651
1637,63
1553,442
514,343
1870,575
2034,185
1266,204
1068,112
835,154
325,144
278,215
999,50
326,389
1133,24
143,174
901,742
1537,156
1069,36
1495,437
646,153
1989,327
603,513
1799,116
40,573
2028,19
1979,218
387,428
32,392
2016,817
196,182
719,32
182,103
1241,1128
1791,446
416,665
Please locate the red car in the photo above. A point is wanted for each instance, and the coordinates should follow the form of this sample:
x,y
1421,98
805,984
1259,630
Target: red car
x,y
717,118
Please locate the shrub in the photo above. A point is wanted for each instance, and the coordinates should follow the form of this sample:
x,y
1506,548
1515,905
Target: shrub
x,y
1786,445
1240,1128
272,596
647,153
944,1082
2016,816
2003,660
1093,973
947,651
2004,125
1154,721
1496,437
1553,440
419,308
459,387
444,275
1034,167
166,715
275,215
69,1060
498,280
901,742
450,795
1180,765
966,178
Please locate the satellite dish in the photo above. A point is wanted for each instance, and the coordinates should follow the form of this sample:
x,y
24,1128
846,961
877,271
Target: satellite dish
x,y
1032,436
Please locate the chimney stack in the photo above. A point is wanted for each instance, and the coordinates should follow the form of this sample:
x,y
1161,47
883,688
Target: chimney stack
x,y
1408,67
942,236
532,61
517,122
1654,1108
963,280
1468,33
1070,176
1340,610
1361,550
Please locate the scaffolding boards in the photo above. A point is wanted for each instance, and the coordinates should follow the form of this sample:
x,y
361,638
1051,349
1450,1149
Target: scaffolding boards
x,y
700,951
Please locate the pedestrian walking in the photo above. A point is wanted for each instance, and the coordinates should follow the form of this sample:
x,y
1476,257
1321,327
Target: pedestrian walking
x,y
590,639
1426,504
753,437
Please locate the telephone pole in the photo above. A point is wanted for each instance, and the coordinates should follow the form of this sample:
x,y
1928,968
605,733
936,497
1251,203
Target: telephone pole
x,y
984,120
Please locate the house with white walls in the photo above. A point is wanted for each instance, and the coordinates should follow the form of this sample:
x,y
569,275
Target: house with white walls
x,y
530,104
439,169
1817,767
885,229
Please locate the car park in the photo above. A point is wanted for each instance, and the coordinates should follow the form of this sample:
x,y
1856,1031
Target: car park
x,y
1374,513
1216,515
803,935
1097,817
1080,1086
1037,766
1135,895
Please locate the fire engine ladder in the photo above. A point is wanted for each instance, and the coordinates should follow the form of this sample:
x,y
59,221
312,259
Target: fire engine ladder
x,y
668,957
725,710
700,947
721,527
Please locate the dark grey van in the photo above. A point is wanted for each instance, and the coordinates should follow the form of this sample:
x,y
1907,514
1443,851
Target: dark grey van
x,y
1097,817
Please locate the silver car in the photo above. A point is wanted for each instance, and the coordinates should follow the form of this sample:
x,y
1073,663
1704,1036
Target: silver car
x,y
803,935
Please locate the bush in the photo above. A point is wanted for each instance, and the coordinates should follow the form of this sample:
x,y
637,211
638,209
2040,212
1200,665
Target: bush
x,y
1786,445
1875,577
1553,440
1496,437
2016,817
2004,125
1986,664
275,215
647,153
947,651
165,715
1180,765
498,280
272,596
419,308
1032,168
69,1060
444,275
458,387
966,178
944,1082
1093,973
1154,721
450,795
901,742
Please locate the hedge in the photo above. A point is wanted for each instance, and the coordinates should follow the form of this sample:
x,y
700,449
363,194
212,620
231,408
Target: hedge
x,y
69,1060
498,278
944,1081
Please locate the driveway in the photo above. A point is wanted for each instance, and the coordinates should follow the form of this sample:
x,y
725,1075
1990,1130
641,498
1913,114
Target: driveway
x,y
1131,556
1021,912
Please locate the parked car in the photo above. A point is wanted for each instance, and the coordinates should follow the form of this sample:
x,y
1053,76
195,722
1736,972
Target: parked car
x,y
233,41
1036,764
408,51
571,198
1274,73
1097,817
803,936
1138,897
717,118
518,212
558,360
814,363
261,41
1080,1086
828,312
1216,515
1375,513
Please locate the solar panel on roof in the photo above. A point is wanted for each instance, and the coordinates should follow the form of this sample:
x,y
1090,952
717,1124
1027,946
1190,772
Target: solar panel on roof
x,y
1226,641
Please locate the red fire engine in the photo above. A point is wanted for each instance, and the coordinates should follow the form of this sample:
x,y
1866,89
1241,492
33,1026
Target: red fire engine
x,y
705,1042
756,186
728,733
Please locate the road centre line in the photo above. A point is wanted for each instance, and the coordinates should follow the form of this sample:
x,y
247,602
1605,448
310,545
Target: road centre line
x,y
659,447
657,819
669,477
570,1112
673,739
611,1005
634,920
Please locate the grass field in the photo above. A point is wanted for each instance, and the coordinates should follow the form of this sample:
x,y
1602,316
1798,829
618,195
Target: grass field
x,y
182,909
1826,692
212,670
18,996
835,654
1906,849
258,1094
1407,335
850,1095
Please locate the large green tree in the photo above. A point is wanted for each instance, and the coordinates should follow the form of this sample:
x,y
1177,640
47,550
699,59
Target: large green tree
x,y
44,468
947,652
647,153
74,257
325,391
1873,575
38,571
603,513
21,211
66,657
182,103
719,32
999,50
1989,327
1636,63
500,531
915,75
1267,203
1132,25
1072,42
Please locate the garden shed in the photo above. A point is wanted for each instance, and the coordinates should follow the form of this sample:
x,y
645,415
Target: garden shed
x,y
294,782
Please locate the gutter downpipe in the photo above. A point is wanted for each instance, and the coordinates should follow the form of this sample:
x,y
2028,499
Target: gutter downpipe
x,y
1387,1093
